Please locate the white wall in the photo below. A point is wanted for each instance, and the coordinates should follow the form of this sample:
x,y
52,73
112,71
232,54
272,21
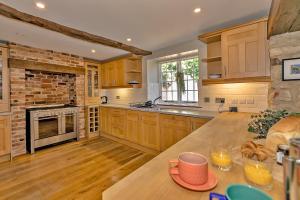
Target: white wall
x,y
249,97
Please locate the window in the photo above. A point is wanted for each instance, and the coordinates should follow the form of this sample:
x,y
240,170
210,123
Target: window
x,y
179,80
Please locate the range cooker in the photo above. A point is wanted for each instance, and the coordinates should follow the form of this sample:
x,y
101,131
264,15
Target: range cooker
x,y
50,124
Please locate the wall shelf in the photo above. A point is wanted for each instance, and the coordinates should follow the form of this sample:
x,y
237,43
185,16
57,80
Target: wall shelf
x,y
236,80
212,59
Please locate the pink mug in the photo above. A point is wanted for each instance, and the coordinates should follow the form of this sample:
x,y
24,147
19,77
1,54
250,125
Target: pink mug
x,y
192,168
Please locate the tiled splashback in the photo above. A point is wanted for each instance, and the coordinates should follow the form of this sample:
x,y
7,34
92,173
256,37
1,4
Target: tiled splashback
x,y
125,95
248,97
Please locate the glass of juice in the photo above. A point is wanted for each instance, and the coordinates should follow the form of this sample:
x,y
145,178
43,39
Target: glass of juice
x,y
259,173
221,157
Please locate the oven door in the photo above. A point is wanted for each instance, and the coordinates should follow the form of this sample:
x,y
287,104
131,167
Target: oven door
x,y
69,125
47,126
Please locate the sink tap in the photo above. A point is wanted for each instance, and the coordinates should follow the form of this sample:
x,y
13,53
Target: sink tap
x,y
154,101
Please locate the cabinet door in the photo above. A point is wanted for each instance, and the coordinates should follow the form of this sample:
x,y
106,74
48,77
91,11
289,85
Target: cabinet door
x,y
132,126
172,129
244,51
118,123
5,132
105,120
119,73
149,129
198,122
104,82
92,83
4,86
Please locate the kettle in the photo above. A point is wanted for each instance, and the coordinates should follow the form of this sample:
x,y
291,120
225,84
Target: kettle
x,y
104,100
291,169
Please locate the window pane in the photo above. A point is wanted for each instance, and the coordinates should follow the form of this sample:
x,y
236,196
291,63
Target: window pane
x,y
175,96
174,85
184,96
190,85
164,96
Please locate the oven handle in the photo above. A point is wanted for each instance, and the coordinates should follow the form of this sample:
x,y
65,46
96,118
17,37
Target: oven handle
x,y
49,117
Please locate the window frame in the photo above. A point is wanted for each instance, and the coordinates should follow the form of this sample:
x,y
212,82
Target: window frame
x,y
178,60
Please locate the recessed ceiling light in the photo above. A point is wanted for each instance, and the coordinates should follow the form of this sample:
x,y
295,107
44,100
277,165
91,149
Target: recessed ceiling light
x,y
40,5
197,10
93,51
129,39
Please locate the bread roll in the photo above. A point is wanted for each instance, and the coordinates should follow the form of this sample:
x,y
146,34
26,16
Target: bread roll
x,y
282,131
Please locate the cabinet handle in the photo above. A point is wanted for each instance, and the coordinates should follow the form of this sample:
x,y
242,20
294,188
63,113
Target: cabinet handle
x,y
225,73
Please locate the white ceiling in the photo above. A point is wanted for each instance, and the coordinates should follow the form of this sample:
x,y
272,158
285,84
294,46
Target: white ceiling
x,y
152,24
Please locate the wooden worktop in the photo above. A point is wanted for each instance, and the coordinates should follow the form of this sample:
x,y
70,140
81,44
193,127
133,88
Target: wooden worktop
x,y
152,181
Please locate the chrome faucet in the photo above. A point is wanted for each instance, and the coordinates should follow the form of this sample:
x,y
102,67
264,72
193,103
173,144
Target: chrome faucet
x,y
154,101
291,169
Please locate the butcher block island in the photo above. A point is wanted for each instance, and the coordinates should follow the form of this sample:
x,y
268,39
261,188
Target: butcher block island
x,y
152,180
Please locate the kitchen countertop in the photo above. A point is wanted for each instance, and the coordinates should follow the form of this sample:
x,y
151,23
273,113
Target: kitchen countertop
x,y
174,111
152,181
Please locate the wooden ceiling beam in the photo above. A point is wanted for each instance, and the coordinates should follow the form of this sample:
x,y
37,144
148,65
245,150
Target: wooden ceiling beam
x,y
75,33
284,17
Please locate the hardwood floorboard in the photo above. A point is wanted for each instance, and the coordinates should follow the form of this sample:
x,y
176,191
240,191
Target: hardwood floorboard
x,y
77,170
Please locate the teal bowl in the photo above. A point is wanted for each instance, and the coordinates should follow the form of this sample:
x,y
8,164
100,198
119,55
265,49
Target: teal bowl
x,y
245,192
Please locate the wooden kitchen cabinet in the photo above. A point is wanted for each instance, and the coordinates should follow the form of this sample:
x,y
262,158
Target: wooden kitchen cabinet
x,y
149,129
118,122
4,81
118,73
105,120
5,136
133,126
143,129
92,83
244,51
172,129
198,122
92,121
237,54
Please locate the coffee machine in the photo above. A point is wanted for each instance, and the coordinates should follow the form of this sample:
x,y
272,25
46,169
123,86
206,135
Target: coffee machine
x,y
291,167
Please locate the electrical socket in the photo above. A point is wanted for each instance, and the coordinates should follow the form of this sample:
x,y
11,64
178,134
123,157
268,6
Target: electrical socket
x,y
206,99
220,100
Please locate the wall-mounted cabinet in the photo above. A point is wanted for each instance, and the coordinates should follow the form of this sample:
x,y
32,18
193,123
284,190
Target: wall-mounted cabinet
x,y
237,54
92,121
122,73
92,83
4,81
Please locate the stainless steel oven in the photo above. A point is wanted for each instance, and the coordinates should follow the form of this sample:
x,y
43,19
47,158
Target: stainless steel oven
x,y
47,126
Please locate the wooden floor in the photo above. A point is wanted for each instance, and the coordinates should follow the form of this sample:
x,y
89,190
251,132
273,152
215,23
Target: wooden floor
x,y
77,170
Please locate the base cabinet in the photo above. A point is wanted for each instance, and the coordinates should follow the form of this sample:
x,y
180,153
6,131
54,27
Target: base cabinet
x,y
133,127
173,128
198,122
5,135
148,129
118,124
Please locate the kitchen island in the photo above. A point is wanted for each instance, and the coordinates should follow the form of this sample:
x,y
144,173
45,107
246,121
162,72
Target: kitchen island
x,y
152,181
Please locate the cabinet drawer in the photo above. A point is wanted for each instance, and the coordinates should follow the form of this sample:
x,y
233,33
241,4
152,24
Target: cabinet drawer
x,y
175,121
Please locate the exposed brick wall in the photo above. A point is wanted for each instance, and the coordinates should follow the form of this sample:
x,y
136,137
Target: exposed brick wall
x,y
22,52
30,87
17,99
49,88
